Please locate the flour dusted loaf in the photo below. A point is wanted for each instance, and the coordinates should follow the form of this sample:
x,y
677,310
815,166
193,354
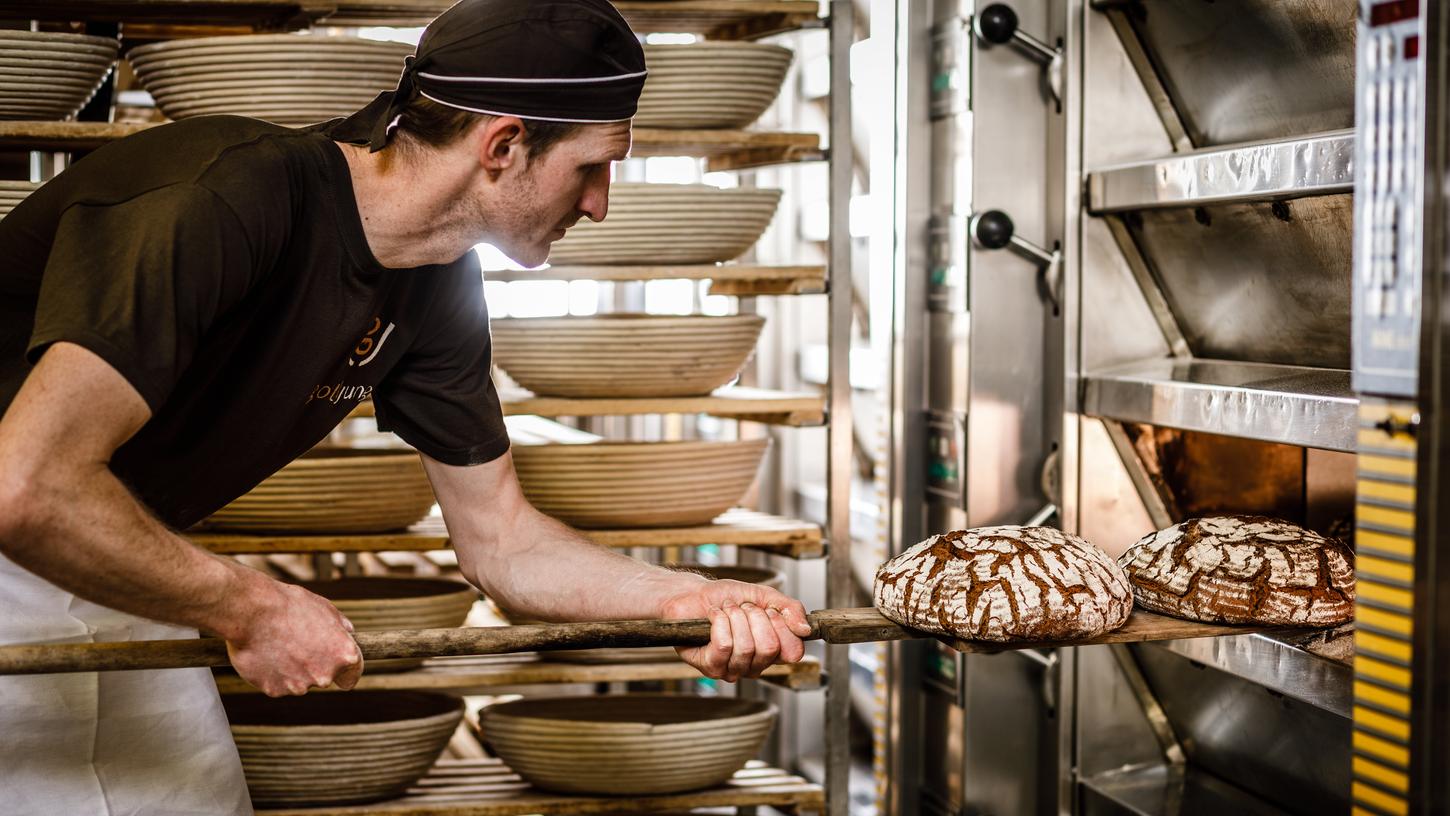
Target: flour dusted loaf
x,y
1005,584
1243,569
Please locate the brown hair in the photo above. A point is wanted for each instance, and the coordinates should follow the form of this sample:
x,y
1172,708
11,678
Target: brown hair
x,y
430,123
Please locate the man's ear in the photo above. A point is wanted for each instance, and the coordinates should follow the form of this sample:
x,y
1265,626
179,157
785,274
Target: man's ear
x,y
501,143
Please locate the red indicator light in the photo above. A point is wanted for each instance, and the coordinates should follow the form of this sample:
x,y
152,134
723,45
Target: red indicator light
x,y
1412,47
1393,11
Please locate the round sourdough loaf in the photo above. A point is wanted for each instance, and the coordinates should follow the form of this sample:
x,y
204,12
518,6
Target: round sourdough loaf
x,y
1005,584
1243,569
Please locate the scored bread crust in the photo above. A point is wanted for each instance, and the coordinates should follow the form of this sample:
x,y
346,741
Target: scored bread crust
x,y
1005,584
1243,569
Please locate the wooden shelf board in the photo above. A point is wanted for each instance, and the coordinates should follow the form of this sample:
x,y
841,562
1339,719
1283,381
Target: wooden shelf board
x,y
487,787
463,674
729,149
725,149
720,19
25,135
734,402
725,279
739,527
717,19
256,14
867,625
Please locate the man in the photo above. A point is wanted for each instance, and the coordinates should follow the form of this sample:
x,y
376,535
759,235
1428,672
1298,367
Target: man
x,y
169,308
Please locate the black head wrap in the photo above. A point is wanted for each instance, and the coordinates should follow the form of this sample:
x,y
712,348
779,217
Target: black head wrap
x,y
552,60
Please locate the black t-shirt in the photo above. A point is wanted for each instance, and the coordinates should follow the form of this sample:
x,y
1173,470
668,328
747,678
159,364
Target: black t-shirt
x,y
219,264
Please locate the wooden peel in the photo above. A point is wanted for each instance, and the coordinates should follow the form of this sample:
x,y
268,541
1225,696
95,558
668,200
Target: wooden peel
x,y
830,625
839,626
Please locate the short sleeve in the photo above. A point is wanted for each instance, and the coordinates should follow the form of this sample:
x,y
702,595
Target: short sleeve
x,y
138,283
440,397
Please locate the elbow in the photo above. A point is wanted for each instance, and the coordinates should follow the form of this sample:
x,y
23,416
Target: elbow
x,y
20,506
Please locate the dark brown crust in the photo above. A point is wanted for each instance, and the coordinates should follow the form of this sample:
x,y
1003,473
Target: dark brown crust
x,y
1005,584
1243,569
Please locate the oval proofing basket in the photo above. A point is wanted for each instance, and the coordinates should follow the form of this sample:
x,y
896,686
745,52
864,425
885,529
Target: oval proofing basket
x,y
338,748
334,491
632,744
287,79
625,355
604,485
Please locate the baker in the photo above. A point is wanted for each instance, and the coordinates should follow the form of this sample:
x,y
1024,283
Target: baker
x,y
171,308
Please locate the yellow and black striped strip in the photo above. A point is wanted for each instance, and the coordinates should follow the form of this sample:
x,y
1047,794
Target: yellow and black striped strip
x,y
1385,599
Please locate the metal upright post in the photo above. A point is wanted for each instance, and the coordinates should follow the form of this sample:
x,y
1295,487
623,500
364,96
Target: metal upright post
x,y
838,431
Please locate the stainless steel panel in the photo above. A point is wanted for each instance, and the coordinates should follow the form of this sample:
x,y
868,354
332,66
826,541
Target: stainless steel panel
x,y
1162,790
1294,405
840,431
1112,513
1010,752
1119,122
1252,69
1117,323
905,742
943,733
1112,732
1008,435
1267,282
1290,168
1273,664
1290,753
948,379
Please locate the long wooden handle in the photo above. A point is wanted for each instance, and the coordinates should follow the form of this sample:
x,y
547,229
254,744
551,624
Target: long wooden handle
x,y
834,626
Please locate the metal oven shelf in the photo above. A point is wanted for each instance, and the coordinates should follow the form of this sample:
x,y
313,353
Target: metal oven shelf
x,y
1321,164
1163,790
1294,405
1275,664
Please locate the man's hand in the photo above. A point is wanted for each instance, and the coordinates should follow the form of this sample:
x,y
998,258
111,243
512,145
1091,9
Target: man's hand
x,y
294,641
751,628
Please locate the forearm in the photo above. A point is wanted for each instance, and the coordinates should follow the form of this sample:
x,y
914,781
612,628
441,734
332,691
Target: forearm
x,y
83,531
544,570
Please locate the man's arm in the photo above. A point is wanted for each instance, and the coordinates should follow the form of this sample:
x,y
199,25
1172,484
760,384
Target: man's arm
x,y
65,517
534,565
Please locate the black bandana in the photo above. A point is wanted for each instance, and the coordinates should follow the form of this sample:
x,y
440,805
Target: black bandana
x,y
552,60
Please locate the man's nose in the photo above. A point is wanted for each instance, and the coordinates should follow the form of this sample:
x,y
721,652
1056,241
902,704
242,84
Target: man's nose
x,y
595,200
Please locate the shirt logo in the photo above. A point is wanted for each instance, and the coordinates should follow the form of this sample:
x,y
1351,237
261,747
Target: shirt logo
x,y
370,345
363,353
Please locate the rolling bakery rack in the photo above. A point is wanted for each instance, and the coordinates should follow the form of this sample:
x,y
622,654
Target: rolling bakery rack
x,y
484,786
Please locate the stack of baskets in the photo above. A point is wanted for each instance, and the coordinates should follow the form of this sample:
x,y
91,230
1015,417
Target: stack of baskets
x,y
631,744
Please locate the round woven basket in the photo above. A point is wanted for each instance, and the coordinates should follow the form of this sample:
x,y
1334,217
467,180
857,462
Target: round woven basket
x,y
710,85
380,603
334,491
604,485
670,224
625,355
338,748
51,76
283,78
627,745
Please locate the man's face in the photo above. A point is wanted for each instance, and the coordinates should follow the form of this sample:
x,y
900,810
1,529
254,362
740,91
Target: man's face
x,y
542,199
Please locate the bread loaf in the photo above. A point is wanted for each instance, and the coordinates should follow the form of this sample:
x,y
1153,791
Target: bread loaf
x,y
1005,584
1243,569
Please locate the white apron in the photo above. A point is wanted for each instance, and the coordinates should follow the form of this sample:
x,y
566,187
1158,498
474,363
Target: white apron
x,y
133,743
